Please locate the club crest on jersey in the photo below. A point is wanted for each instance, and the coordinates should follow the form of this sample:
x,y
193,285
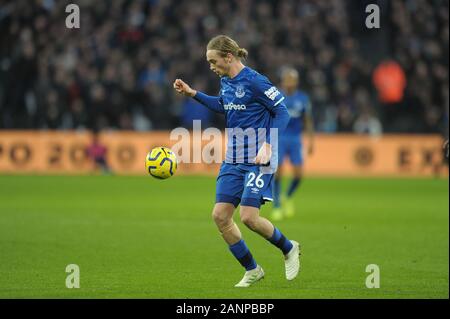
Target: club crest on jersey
x,y
240,92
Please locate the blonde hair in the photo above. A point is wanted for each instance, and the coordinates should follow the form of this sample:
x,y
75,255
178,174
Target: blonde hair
x,y
224,45
289,71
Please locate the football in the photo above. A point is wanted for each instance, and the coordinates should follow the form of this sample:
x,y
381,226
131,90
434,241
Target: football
x,y
161,162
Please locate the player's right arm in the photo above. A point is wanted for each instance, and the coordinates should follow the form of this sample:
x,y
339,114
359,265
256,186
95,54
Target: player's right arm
x,y
211,102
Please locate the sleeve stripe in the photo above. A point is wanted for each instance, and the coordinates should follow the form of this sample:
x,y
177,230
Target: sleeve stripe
x,y
279,101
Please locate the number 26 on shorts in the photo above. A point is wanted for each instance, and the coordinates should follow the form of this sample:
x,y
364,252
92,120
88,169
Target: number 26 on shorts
x,y
257,179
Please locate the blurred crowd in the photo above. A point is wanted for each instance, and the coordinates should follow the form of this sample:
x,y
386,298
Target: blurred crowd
x,y
116,70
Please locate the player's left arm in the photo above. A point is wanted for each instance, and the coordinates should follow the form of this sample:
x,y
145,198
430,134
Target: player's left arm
x,y
309,126
271,98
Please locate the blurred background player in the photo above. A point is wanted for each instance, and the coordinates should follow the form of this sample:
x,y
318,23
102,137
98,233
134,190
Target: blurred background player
x,y
97,153
290,142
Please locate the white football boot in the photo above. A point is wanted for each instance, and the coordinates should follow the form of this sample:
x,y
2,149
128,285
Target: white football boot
x,y
250,277
292,261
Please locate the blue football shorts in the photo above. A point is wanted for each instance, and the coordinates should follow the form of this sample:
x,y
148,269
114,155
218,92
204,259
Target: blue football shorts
x,y
243,184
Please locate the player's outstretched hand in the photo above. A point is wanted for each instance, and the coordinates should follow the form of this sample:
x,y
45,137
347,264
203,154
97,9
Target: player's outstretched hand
x,y
181,87
264,154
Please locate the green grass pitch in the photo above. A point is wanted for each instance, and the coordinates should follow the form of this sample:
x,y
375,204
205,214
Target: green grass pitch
x,y
138,237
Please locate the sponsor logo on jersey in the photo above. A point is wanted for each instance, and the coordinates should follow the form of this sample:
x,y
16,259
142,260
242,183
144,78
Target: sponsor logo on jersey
x,y
240,92
272,93
232,106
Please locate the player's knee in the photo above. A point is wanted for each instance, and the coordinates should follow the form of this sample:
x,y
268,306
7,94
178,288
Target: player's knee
x,y
298,173
249,220
220,217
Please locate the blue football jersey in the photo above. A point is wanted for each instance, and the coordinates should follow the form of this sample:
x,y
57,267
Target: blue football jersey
x,y
297,104
247,101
